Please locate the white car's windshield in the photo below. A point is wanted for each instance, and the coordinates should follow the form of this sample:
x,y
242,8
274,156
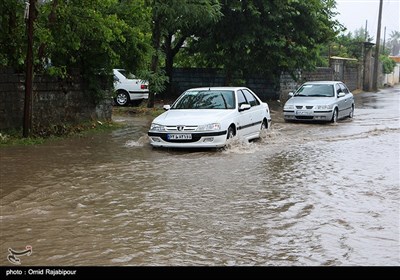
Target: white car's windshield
x,y
207,99
319,90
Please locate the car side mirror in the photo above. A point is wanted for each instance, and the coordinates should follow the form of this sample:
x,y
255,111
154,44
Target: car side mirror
x,y
244,107
341,94
290,94
166,107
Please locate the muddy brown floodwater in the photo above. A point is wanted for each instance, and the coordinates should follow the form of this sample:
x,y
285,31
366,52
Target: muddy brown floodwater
x,y
304,194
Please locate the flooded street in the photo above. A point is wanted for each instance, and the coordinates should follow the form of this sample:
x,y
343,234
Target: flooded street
x,y
304,195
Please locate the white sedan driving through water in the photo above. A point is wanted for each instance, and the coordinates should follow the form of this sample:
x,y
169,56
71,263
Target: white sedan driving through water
x,y
208,117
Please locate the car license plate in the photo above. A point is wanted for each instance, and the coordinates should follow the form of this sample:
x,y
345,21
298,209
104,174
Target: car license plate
x,y
179,136
304,112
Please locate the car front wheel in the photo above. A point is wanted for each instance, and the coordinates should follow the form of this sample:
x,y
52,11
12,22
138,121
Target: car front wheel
x,y
231,133
264,125
351,114
334,116
122,98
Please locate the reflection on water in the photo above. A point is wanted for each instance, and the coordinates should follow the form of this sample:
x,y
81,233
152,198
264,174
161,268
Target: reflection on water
x,y
304,194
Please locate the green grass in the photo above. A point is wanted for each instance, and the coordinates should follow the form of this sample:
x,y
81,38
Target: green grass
x,y
40,136
137,111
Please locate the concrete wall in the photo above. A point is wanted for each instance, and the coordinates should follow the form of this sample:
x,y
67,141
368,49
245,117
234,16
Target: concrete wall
x,y
58,101
288,83
392,78
352,78
185,78
54,101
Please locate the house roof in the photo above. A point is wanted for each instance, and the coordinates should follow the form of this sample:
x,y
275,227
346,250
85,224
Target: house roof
x,y
343,58
395,58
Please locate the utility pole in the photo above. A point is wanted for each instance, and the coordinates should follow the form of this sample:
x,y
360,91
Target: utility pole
x,y
384,40
30,16
376,60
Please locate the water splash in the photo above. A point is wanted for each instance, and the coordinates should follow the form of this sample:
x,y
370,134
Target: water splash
x,y
237,145
141,142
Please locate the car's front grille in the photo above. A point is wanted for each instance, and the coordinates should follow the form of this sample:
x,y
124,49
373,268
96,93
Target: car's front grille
x,y
304,117
302,107
181,128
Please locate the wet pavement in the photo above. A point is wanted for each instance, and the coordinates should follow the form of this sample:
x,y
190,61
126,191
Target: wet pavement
x,y
304,194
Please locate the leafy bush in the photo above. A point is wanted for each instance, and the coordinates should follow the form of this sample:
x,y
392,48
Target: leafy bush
x,y
387,63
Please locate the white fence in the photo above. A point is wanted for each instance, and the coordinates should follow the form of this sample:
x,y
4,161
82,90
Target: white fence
x,y
392,78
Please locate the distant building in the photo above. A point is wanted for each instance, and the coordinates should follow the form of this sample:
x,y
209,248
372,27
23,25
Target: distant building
x,y
394,77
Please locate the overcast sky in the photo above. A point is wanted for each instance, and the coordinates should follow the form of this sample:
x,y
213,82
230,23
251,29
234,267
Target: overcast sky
x,y
354,13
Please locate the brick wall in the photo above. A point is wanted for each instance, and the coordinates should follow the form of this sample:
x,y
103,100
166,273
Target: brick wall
x,y
320,74
352,78
185,78
288,83
54,101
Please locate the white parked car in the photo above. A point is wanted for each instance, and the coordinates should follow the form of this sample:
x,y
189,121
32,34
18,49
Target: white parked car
x,y
129,89
208,117
319,101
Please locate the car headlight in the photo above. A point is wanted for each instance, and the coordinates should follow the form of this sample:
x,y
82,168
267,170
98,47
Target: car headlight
x,y
323,107
288,107
157,127
210,126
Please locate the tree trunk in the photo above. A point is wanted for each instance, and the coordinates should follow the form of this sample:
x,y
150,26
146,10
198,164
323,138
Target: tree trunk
x,y
170,52
27,125
169,64
51,20
155,40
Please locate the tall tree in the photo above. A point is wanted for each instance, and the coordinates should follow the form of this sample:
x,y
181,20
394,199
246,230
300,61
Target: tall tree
x,y
134,47
173,22
350,44
85,34
12,33
267,36
394,43
90,35
191,18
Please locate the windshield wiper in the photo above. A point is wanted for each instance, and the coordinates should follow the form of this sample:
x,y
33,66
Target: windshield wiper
x,y
223,98
319,95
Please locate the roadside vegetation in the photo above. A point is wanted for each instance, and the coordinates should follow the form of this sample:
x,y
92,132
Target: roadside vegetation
x,y
151,37
142,109
57,132
137,111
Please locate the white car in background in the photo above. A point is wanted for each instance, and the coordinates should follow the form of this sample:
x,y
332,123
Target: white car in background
x,y
129,89
208,117
325,101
